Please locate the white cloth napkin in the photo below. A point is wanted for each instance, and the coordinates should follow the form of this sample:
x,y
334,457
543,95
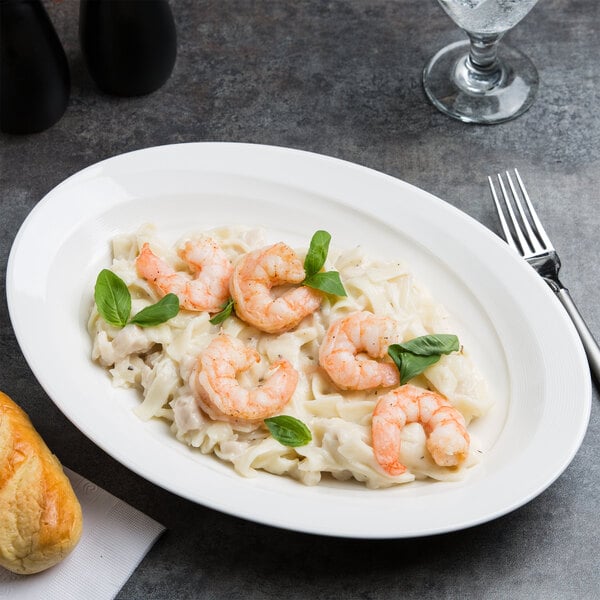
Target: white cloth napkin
x,y
114,540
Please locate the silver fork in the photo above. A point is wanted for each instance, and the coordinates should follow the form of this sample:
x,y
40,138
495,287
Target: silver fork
x,y
528,237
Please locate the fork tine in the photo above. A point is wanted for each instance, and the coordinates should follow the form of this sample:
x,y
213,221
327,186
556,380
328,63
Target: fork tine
x,y
521,242
541,232
532,238
505,228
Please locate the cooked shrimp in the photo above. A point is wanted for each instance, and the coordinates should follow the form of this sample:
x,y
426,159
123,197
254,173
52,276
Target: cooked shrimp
x,y
447,437
217,368
207,290
347,340
253,278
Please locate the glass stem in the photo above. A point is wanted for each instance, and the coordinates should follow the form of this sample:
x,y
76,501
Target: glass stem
x,y
483,53
481,71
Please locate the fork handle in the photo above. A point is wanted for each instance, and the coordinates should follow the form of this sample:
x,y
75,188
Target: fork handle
x,y
589,343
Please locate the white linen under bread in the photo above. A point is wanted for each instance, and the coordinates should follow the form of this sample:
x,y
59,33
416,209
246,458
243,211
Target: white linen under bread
x,y
159,360
115,538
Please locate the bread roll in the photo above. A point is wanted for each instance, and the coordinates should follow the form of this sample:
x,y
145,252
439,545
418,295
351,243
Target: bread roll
x,y
40,515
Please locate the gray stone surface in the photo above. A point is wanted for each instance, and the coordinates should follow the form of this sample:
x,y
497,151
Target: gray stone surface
x,y
342,77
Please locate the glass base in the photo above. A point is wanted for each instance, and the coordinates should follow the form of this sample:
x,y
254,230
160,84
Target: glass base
x,y
501,94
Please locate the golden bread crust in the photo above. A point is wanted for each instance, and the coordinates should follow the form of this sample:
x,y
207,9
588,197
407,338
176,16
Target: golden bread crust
x,y
41,516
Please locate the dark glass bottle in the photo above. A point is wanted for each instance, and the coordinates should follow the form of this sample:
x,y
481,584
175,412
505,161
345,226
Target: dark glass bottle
x,y
35,80
129,46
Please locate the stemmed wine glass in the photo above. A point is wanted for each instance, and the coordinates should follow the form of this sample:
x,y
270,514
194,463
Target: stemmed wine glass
x,y
480,80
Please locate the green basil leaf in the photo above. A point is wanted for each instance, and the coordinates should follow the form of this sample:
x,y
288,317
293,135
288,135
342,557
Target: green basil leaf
x,y
289,431
225,313
328,282
410,365
112,298
165,309
317,253
428,345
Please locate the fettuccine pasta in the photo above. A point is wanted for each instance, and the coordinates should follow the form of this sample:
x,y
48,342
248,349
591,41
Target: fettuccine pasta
x,y
159,360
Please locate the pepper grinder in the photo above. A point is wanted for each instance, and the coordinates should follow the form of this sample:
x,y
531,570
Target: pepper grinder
x,y
129,46
35,81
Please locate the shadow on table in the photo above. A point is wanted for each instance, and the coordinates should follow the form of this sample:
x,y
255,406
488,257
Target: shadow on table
x,y
230,557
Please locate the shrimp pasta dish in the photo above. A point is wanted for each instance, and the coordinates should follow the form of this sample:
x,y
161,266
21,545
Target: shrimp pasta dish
x,y
260,338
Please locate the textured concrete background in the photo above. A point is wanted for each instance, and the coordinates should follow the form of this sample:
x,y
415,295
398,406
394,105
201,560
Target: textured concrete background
x,y
342,77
